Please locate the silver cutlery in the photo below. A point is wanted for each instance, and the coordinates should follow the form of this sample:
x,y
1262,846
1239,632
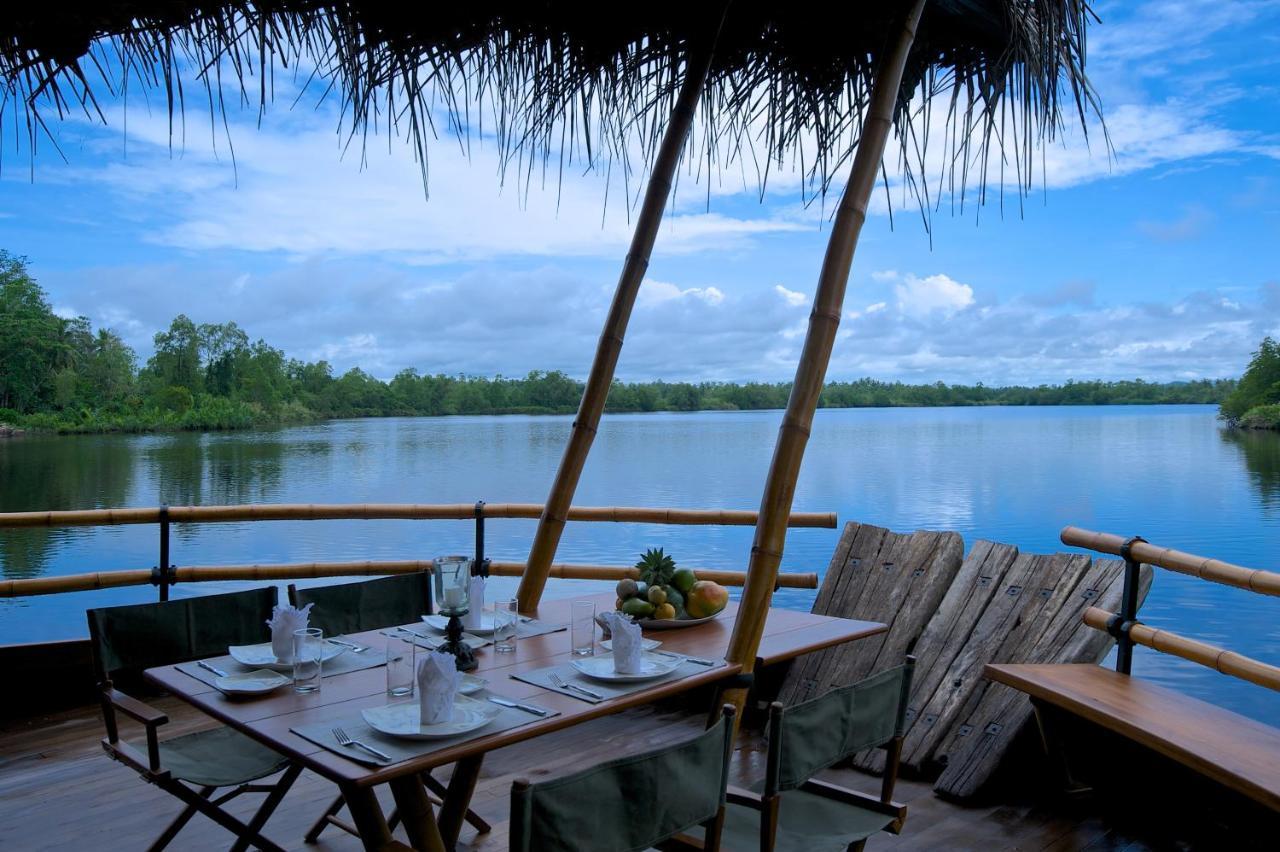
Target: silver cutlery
x,y
343,740
698,661
210,668
564,684
359,649
528,708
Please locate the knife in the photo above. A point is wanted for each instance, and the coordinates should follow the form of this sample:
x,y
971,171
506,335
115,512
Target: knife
x,y
695,660
528,708
219,672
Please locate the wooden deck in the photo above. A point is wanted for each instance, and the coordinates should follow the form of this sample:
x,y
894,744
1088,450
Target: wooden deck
x,y
59,791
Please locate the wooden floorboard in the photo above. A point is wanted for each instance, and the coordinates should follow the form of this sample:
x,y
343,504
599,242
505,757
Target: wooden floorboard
x,y
59,791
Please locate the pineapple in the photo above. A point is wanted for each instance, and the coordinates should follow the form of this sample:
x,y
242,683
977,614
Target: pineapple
x,y
656,568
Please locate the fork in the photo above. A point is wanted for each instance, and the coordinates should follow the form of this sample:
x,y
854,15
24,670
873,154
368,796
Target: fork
x,y
343,740
358,649
564,684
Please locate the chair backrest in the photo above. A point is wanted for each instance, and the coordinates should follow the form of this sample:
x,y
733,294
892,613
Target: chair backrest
x,y
127,639
368,604
809,737
628,803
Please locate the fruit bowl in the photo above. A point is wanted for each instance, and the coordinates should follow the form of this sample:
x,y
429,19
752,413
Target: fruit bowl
x,y
673,623
665,597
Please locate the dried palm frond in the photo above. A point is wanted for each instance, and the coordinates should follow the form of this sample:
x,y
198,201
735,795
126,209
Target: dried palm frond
x,y
566,81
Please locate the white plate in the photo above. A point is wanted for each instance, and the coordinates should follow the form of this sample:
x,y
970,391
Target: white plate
x,y
672,623
402,719
471,684
262,657
651,666
258,682
440,622
645,644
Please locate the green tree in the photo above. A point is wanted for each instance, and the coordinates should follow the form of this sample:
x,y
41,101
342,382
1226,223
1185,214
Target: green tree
x,y
31,343
1260,384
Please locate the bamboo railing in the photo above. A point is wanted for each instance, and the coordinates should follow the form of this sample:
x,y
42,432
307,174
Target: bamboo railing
x,y
1128,631
311,570
1220,659
596,391
1253,579
476,512
396,511
824,321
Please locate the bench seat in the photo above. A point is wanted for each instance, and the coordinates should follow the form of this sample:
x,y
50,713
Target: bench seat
x,y
1236,751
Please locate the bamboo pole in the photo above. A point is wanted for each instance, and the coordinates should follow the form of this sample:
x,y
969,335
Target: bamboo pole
x,y
551,523
1253,579
396,511
307,570
824,320
1220,659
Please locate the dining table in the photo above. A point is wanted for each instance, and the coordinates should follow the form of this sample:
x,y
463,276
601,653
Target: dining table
x,y
275,719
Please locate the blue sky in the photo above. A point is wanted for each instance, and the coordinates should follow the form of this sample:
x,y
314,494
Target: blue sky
x,y
1157,261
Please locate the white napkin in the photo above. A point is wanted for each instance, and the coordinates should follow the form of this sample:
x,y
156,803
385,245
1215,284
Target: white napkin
x,y
475,591
438,679
285,620
627,643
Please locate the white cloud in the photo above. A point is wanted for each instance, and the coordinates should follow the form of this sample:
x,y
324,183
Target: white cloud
x,y
654,293
791,297
919,297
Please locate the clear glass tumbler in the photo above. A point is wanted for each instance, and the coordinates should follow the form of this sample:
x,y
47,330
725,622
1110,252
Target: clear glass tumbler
x,y
401,666
582,627
308,651
506,625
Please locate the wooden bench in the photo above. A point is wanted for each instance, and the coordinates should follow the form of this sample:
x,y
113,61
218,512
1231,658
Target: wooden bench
x,y
1236,751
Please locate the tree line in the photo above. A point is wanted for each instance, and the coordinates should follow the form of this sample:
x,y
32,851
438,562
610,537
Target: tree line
x,y
61,374
1255,401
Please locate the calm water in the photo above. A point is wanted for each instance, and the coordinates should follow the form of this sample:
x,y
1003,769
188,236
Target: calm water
x,y
1017,475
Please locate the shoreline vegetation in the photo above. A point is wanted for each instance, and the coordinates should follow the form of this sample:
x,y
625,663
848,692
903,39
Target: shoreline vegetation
x,y
1255,402
60,375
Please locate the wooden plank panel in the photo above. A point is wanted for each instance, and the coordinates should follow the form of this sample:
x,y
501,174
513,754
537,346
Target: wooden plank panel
x,y
877,575
993,715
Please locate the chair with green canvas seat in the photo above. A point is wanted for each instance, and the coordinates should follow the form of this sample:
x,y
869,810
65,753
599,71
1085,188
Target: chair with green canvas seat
x,y
370,605
636,802
790,809
126,640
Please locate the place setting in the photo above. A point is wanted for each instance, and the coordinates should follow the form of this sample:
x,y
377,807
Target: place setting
x,y
434,707
630,664
296,654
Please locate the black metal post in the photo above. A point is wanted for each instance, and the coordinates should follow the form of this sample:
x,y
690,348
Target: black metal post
x,y
163,575
1128,615
481,567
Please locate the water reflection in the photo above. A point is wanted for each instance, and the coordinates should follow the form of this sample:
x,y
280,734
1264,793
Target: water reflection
x,y
49,473
1260,450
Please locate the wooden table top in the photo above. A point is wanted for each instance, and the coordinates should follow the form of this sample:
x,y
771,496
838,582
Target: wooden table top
x,y
787,634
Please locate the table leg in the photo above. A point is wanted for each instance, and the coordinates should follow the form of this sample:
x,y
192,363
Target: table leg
x,y
366,813
418,818
466,773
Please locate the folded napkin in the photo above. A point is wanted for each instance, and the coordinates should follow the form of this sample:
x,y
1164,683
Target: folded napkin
x,y
627,643
475,591
438,679
285,620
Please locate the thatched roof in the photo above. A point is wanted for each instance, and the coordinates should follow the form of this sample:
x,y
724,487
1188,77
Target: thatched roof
x,y
568,78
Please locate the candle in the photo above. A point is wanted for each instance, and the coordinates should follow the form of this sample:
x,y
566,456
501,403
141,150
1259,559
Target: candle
x,y
453,597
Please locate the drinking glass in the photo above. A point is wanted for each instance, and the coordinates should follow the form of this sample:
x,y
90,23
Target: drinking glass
x,y
582,626
401,666
308,651
506,622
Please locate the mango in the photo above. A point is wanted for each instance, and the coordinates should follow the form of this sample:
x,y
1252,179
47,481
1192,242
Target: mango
x,y
683,579
638,607
705,598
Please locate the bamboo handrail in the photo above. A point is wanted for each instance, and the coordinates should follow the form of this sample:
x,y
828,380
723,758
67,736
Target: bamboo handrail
x,y
824,320
306,570
1220,659
395,511
1253,579
596,391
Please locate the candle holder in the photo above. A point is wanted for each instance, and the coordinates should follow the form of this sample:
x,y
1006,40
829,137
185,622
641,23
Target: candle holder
x,y
453,589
